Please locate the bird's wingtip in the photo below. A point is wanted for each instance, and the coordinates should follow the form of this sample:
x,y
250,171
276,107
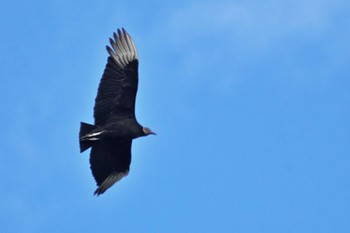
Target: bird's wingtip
x,y
98,192
124,49
111,180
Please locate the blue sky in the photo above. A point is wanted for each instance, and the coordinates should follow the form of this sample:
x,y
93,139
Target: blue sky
x,y
250,100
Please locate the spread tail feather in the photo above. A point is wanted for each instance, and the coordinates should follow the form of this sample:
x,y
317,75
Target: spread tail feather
x,y
85,129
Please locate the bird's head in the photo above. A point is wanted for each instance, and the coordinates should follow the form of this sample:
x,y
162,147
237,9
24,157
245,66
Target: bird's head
x,y
148,131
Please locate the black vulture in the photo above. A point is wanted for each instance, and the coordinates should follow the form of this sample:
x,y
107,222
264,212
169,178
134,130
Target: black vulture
x,y
115,127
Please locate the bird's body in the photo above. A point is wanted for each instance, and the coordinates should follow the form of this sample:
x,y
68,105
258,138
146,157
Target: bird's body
x,y
115,123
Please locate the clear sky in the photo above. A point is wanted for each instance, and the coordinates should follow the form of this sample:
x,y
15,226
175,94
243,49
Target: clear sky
x,y
250,100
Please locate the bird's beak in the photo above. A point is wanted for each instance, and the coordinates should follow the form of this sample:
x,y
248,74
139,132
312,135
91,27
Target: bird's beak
x,y
152,133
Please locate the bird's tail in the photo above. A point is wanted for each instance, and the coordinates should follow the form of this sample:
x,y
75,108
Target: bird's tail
x,y
84,130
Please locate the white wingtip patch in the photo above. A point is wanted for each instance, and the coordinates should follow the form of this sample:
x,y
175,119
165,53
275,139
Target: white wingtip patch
x,y
123,48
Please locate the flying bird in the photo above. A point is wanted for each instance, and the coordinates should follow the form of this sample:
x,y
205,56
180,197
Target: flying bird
x,y
115,126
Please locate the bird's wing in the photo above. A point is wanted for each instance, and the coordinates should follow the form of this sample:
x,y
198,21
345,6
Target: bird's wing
x,y
110,162
117,90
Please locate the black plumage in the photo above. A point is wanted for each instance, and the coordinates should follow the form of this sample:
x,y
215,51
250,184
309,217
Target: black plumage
x,y
115,127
